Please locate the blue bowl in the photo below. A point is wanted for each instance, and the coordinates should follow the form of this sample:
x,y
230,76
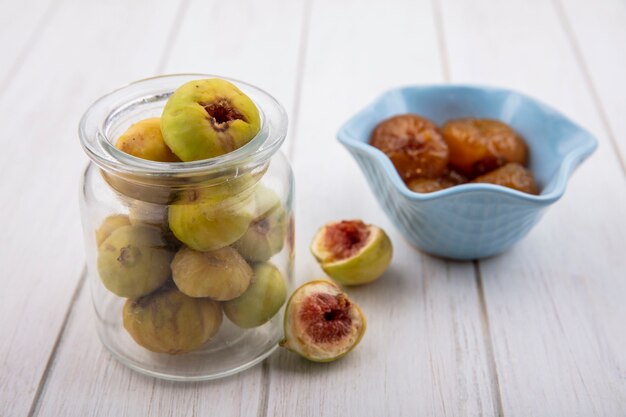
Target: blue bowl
x,y
469,221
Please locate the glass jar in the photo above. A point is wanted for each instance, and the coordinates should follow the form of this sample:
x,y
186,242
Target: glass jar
x,y
189,263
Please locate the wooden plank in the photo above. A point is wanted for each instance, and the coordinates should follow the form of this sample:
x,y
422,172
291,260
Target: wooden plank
x,y
85,379
84,52
21,24
555,302
424,352
597,32
106,387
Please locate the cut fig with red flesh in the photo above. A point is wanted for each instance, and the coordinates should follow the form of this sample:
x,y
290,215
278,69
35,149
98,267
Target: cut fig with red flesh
x,y
321,323
352,252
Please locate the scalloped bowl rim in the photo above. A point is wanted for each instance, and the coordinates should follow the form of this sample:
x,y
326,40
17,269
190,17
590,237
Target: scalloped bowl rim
x,y
567,165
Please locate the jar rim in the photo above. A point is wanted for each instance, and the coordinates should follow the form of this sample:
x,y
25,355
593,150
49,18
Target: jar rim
x,y
94,124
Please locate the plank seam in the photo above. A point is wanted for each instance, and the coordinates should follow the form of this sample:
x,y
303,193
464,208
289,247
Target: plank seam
x,y
484,316
441,40
297,94
265,392
44,377
595,97
488,342
173,35
34,36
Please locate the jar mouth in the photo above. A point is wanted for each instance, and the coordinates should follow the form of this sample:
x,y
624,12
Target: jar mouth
x,y
112,113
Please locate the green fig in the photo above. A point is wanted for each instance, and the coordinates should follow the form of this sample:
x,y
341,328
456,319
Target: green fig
x,y
221,274
168,321
208,219
109,225
266,234
208,118
352,252
133,261
261,301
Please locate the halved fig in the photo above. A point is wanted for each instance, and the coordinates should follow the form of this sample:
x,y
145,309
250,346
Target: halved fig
x,y
352,252
321,323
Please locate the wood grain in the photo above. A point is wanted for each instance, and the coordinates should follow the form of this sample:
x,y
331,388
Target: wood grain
x,y
537,331
21,26
555,302
598,36
86,51
424,352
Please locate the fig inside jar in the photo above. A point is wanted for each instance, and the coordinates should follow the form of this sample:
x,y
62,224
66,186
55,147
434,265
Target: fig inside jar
x,y
163,237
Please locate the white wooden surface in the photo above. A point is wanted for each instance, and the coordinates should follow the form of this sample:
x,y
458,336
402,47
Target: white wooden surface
x,y
538,331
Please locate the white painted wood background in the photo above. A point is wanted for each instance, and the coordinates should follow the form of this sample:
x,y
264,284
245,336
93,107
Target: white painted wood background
x,y
538,331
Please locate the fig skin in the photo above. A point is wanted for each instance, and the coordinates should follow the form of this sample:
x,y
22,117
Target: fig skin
x,y
366,264
413,144
261,301
130,188
318,330
221,274
144,140
168,321
429,185
266,234
109,225
208,118
478,146
210,219
513,176
133,261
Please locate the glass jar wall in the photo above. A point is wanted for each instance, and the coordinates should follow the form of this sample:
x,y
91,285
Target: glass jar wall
x,y
189,263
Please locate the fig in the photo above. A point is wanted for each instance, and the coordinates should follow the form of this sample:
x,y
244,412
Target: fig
x,y
129,188
429,185
144,140
133,261
478,146
109,225
352,252
208,118
207,219
141,212
413,144
221,274
321,323
261,301
168,321
266,234
513,176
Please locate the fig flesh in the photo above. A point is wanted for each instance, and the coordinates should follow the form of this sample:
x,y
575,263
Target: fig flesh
x,y
144,140
352,252
266,234
321,323
133,261
261,301
208,118
221,274
168,321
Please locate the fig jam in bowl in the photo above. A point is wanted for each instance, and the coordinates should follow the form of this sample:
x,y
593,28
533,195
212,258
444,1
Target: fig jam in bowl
x,y
477,220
